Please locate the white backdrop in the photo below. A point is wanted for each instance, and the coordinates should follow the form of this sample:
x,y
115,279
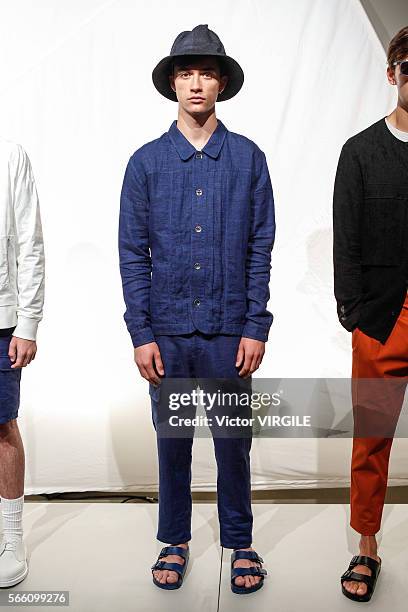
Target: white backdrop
x,y
76,92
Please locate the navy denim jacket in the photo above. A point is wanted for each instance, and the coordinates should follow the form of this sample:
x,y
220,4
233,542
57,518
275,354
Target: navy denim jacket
x,y
196,231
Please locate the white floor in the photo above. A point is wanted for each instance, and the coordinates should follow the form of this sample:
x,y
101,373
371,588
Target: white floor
x,y
102,552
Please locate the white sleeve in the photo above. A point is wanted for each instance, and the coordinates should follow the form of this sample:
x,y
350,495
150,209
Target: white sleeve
x,y
29,250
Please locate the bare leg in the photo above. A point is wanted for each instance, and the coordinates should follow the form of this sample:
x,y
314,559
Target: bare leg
x,y
12,461
13,555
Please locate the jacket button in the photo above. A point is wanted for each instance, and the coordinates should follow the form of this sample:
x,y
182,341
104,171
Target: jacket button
x,y
197,265
196,302
342,308
199,155
198,228
343,318
199,192
393,313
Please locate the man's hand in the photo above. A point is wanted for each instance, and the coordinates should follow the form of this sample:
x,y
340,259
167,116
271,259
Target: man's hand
x,y
250,354
21,351
147,356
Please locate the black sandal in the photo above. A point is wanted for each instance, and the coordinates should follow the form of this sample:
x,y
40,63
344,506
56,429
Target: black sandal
x,y
370,581
175,567
244,571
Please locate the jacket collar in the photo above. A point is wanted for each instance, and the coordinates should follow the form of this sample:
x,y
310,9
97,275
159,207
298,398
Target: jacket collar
x,y
184,147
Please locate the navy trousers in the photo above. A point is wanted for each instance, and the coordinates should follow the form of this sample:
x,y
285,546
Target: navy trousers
x,y
200,356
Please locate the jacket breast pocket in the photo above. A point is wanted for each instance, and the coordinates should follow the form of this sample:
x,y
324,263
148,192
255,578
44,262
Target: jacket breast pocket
x,y
384,226
170,194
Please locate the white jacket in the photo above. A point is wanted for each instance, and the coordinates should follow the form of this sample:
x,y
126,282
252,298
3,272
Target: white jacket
x,y
21,244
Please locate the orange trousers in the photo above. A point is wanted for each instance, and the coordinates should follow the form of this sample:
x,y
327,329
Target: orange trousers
x,y
380,404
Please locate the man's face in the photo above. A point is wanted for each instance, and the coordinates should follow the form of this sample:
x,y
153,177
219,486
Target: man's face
x,y
395,77
197,84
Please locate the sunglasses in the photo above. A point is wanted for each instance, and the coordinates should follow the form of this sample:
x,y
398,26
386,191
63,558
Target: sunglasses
x,y
403,66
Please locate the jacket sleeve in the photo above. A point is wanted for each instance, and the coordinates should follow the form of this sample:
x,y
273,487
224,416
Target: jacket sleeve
x,y
347,206
134,253
260,244
29,249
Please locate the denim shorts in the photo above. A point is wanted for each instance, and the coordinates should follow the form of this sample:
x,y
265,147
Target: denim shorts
x,y
9,383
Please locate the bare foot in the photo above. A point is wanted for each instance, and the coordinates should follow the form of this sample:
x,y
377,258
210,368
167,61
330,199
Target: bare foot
x,y
170,576
248,580
368,548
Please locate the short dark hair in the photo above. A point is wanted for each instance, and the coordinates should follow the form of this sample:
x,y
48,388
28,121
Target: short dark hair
x,y
398,47
190,59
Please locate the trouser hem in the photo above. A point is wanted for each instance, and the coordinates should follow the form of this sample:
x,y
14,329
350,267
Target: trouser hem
x,y
363,529
236,545
8,418
174,539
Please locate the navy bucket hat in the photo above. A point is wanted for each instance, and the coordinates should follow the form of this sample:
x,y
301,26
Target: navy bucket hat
x,y
199,41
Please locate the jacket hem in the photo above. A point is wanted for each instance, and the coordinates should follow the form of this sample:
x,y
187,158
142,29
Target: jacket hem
x,y
8,316
186,328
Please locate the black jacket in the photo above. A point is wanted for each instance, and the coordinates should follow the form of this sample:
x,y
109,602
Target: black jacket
x,y
370,224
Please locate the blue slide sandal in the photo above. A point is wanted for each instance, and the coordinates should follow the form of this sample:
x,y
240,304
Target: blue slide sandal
x,y
245,571
175,567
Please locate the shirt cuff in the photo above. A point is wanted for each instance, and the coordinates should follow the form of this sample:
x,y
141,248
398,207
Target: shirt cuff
x,y
254,331
26,328
142,336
